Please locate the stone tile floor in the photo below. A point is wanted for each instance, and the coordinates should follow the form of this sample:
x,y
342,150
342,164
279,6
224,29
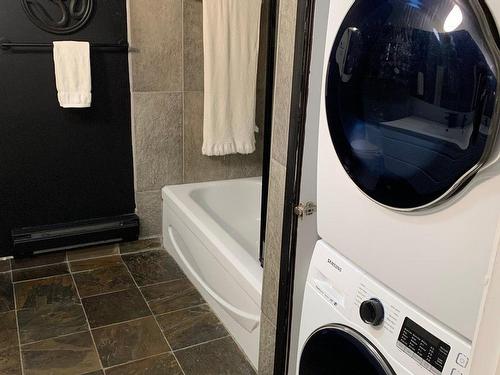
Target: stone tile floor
x,y
116,309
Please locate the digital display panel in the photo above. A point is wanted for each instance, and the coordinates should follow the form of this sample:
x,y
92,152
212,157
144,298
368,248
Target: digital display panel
x,y
426,346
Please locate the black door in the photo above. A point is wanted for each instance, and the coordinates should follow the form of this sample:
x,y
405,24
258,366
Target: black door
x,y
340,350
63,165
410,98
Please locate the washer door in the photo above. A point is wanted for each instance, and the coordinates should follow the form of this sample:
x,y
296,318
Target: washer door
x,y
410,98
340,350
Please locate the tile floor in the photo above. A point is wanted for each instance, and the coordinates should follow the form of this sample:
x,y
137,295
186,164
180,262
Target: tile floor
x,y
117,309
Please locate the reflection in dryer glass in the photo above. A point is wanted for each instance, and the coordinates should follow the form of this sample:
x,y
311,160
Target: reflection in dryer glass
x,y
411,92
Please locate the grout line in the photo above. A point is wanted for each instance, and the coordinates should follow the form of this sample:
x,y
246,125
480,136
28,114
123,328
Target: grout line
x,y
54,337
186,308
156,320
40,266
147,238
93,269
17,325
183,137
143,251
41,278
91,258
137,360
86,317
118,323
203,343
183,67
164,282
105,293
118,254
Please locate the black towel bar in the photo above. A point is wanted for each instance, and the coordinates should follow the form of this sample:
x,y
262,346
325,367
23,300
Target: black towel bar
x,y
5,45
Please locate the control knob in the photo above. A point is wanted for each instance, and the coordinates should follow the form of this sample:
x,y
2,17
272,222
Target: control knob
x,y
372,312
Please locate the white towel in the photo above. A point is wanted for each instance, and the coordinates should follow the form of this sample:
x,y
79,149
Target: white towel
x,y
73,77
231,47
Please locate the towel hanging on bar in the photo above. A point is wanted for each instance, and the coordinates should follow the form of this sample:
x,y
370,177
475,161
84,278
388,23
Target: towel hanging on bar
x,y
231,48
73,76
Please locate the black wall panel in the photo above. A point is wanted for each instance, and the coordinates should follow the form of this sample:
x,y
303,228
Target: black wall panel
x,y
61,165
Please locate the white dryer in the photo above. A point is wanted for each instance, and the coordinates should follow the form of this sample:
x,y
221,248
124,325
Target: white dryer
x,y
353,325
408,169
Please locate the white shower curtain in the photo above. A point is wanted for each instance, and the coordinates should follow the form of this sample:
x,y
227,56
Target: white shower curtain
x,y
231,48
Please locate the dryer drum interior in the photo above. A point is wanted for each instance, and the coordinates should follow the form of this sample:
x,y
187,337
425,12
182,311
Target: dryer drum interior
x,y
340,350
410,98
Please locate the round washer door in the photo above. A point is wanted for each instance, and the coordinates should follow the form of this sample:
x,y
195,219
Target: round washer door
x,y
340,350
410,98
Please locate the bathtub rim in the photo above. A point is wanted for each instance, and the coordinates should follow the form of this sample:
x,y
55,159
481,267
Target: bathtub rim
x,y
244,269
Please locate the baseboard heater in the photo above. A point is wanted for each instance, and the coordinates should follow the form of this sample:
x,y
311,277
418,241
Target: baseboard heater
x,y
75,234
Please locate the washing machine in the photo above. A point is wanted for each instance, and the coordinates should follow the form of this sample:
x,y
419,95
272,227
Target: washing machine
x,y
408,168
352,324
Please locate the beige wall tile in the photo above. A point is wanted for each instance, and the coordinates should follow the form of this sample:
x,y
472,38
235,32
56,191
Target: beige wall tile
x,y
283,79
156,36
167,85
198,167
270,285
272,255
267,344
149,210
158,139
193,45
241,166
275,204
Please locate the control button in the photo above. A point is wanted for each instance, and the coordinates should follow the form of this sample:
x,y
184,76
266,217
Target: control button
x,y
456,372
372,312
462,360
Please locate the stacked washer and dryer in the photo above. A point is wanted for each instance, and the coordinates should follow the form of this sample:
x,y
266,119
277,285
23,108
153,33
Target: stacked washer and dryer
x,y
408,187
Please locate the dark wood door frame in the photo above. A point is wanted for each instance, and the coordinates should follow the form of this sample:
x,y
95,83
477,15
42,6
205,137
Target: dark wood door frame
x,y
300,83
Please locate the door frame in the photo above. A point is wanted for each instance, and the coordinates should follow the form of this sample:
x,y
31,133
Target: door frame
x,y
268,119
296,137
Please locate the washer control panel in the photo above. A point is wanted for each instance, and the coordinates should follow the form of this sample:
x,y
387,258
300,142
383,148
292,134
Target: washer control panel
x,y
417,343
424,347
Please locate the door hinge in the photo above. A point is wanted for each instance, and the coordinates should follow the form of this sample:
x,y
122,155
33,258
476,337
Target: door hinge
x,y
305,209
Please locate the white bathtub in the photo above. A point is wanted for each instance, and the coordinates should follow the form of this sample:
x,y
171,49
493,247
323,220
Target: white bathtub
x,y
212,230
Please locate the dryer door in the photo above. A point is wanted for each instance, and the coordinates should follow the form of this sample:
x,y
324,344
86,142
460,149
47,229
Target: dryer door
x,y
411,96
340,350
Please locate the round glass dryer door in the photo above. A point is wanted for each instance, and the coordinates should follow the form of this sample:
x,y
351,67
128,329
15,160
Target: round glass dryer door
x,y
410,98
340,350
